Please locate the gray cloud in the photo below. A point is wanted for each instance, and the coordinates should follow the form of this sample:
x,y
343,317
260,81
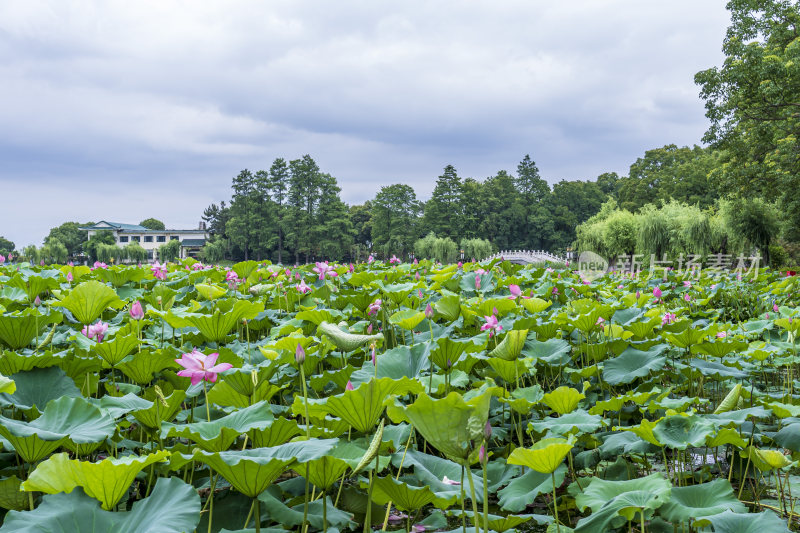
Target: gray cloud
x,y
124,110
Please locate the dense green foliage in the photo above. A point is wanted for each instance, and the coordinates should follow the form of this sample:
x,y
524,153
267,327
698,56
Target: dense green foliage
x,y
492,397
152,223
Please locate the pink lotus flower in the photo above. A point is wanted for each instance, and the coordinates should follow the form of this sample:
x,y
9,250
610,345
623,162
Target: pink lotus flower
x,y
600,321
302,287
447,481
687,298
416,262
201,367
420,294
428,311
555,290
136,311
349,385
374,307
99,264
232,277
69,276
324,269
549,269
620,286
297,275
687,283
722,334
477,282
2,259
416,276
300,354
96,330
775,308
668,318
370,259
394,260
492,325
515,291
460,264
657,292
351,268
159,271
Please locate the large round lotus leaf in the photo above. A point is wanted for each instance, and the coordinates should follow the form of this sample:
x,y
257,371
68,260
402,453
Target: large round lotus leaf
x,y
633,363
397,363
615,502
766,460
71,417
697,501
251,471
38,386
402,495
730,522
522,490
679,432
107,480
552,351
563,400
575,422
450,424
88,300
18,330
172,507
431,470
511,345
407,319
218,435
544,456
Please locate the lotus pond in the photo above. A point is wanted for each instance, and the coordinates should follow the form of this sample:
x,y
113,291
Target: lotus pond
x,y
396,396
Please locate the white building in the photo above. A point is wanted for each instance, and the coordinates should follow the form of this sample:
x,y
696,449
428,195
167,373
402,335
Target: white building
x,y
192,240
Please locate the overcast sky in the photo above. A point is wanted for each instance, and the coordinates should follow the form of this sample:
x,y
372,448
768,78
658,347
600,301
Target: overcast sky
x,y
123,110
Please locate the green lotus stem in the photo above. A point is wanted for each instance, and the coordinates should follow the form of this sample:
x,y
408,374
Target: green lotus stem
x,y
368,518
463,503
474,501
641,513
397,477
205,394
324,513
485,497
744,474
308,437
555,505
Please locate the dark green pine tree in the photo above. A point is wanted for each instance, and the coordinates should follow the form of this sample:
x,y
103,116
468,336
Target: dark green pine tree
x,y
333,226
279,185
533,191
239,226
303,199
443,210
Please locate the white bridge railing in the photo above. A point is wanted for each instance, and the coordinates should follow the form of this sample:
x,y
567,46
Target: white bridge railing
x,y
528,256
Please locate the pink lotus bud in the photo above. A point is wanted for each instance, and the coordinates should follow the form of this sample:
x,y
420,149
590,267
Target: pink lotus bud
x,y
416,276
460,264
349,385
687,298
515,290
136,311
69,276
374,359
37,301
638,295
369,329
494,311
477,283
419,294
487,430
482,454
300,354
657,292
775,308
428,311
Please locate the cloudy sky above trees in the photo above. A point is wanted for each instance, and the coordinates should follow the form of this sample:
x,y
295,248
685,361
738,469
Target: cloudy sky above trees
x,y
124,110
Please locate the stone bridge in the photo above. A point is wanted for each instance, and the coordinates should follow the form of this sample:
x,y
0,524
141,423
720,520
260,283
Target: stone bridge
x,y
525,257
